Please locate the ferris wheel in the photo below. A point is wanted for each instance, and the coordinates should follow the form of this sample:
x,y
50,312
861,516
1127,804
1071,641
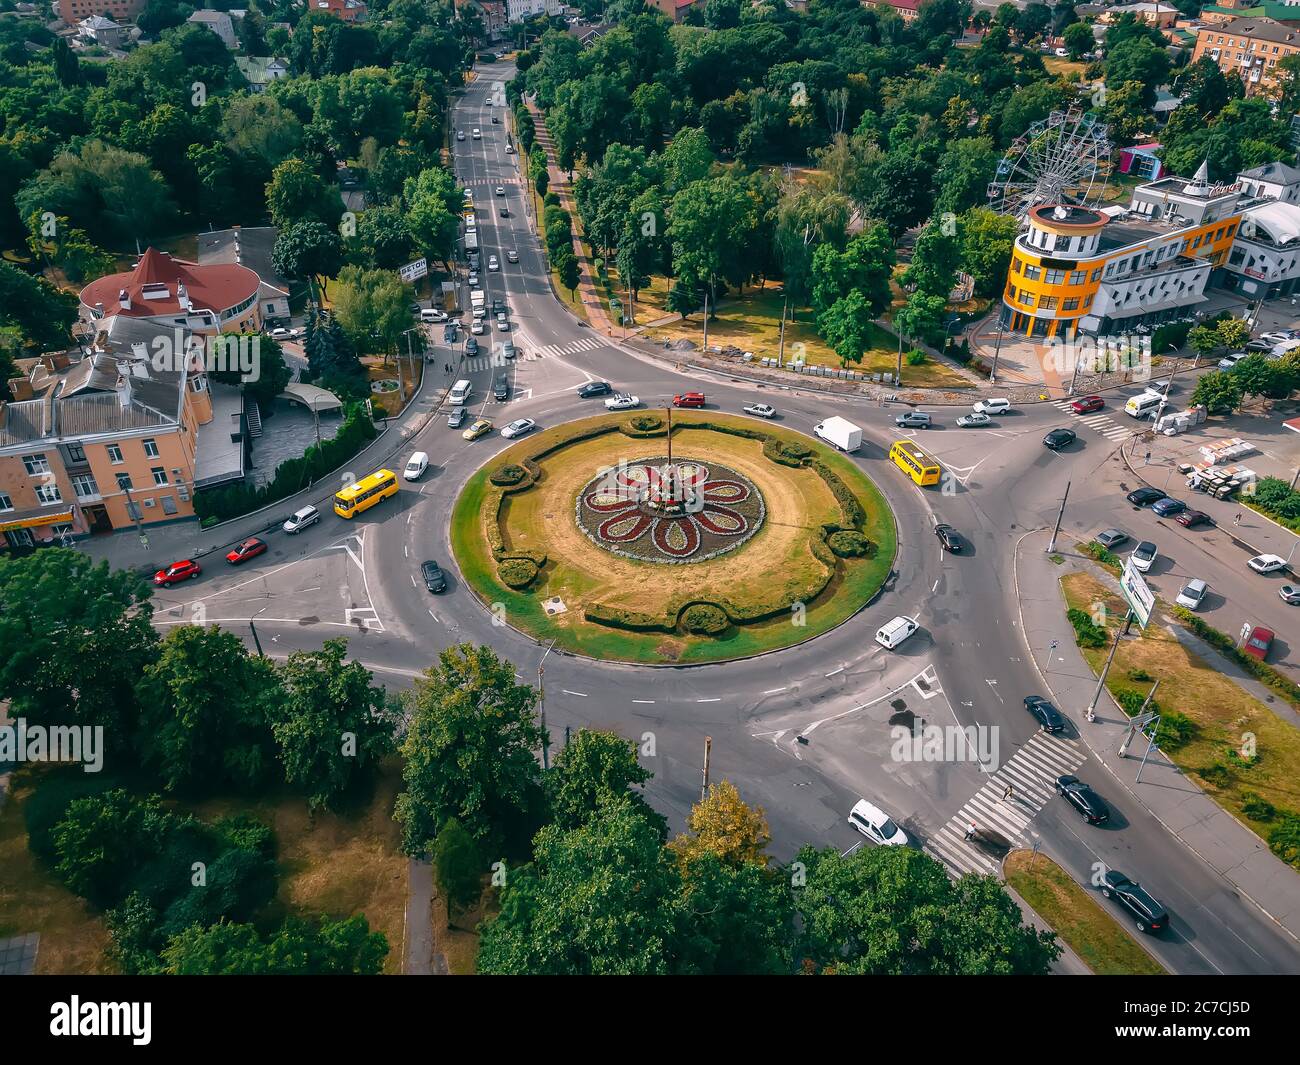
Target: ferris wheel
x,y
1057,160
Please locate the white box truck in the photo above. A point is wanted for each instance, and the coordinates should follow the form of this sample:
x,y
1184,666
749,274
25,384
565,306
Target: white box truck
x,y
839,433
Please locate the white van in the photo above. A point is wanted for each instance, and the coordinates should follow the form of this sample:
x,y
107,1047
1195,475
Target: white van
x,y
415,466
1142,406
892,633
459,392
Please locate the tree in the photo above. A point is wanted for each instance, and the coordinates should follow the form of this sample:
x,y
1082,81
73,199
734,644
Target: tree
x,y
331,724
1217,392
458,866
1204,340
1078,39
921,318
307,250
964,173
593,770
1140,60
1233,332
261,127
205,705
296,194
723,825
373,307
39,315
432,213
739,918
101,840
470,752
935,260
894,911
846,327
566,265
1258,375
298,948
74,638
986,241
67,68
385,237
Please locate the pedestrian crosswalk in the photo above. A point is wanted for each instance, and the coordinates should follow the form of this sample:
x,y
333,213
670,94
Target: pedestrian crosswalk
x,y
1031,774
1098,423
570,348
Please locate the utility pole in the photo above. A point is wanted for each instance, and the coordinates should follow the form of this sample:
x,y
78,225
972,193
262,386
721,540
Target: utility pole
x,y
898,370
704,783
134,512
997,348
780,350
1091,712
706,321
1051,544
541,690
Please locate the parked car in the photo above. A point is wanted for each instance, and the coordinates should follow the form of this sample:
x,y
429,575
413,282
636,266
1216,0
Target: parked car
x,y
432,314
512,256
415,466
1189,518
760,410
974,421
1087,404
283,334
434,579
1084,799
300,519
1168,507
1192,594
1151,916
481,427
177,571
501,388
1144,556
1058,438
689,399
1229,361
876,825
1144,496
1111,538
456,417
518,427
472,279
594,388
913,419
993,406
1045,713
622,401
250,548
1290,594
1267,563
948,537
1258,641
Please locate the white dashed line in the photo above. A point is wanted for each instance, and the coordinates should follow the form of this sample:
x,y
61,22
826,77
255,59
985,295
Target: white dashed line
x,y
835,671
580,694
773,691
708,700
650,701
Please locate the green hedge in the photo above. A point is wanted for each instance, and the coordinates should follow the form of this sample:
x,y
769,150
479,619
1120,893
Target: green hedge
x,y
847,543
292,475
517,572
705,619
1099,554
508,475
1086,632
1225,644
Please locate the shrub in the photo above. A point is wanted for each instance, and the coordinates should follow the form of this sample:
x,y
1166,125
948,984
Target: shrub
x,y
1216,775
517,572
1087,633
1140,675
787,453
1284,840
509,474
1100,554
704,619
1169,336
848,543
644,425
916,357
1175,730
1131,701
1257,808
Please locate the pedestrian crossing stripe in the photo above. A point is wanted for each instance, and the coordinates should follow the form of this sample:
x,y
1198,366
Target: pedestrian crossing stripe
x,y
1031,774
571,348
1098,423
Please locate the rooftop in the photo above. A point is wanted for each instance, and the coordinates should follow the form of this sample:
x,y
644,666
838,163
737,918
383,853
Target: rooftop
x,y
1275,172
157,283
1261,29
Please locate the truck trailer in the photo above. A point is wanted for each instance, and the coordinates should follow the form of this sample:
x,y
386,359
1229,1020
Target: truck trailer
x,y
839,433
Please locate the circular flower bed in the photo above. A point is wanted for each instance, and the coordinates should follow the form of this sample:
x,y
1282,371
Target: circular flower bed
x,y
686,512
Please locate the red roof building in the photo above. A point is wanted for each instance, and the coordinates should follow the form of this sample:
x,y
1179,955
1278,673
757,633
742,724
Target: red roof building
x,y
909,9
347,10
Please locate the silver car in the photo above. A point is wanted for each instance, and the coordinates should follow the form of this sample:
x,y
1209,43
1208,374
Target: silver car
x,y
1192,594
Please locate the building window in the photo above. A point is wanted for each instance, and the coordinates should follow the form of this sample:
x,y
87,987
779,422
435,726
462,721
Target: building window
x,y
1096,275
6,503
124,482
1087,302
114,454
76,453
35,464
1011,293
1077,276
1015,266
1032,273
1071,304
84,485
48,493
1027,298
1054,277
1048,303
168,504
159,475
151,449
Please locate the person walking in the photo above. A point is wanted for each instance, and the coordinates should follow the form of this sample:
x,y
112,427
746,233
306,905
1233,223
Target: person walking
x,y
1008,793
970,832
1236,518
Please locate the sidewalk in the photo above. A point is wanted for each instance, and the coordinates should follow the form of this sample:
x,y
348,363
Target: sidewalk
x,y
1210,832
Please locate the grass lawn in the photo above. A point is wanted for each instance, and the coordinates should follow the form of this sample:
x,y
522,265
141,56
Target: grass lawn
x,y
583,574
1082,921
410,369
1069,69
1224,714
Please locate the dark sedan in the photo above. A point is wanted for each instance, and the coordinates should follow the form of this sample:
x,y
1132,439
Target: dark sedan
x,y
1047,715
1059,438
1168,507
948,537
434,579
1084,799
1144,497
1151,916
1191,518
594,388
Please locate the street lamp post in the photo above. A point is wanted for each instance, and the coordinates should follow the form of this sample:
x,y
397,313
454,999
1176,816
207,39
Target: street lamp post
x,y
541,689
997,349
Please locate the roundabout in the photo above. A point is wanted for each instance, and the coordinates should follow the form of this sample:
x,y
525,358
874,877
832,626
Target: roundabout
x,y
621,541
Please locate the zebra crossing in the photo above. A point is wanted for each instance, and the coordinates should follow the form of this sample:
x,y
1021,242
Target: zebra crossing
x,y
496,360
571,348
1031,773
1097,422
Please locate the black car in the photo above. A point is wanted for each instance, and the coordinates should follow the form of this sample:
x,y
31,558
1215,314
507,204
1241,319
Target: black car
x,y
594,388
948,537
505,211
1151,916
1083,799
1144,497
1059,438
1048,716
434,579
501,387
471,346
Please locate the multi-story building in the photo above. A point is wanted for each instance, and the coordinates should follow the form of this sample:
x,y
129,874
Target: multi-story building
x,y
101,31
1079,270
104,438
220,23
519,10
1272,181
1248,47
346,10
908,9
673,9
71,12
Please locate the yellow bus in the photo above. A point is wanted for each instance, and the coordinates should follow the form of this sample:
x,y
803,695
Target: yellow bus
x,y
365,493
914,462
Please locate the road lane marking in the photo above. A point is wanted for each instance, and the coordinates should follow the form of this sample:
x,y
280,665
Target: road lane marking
x,y
708,700
650,701
773,691
833,672
567,692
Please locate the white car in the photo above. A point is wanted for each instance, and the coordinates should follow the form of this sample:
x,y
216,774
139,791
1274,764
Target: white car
x,y
415,466
992,406
492,263
876,825
477,135
1144,556
760,410
460,134
622,401
473,278
283,334
512,256
894,632
1229,361
432,314
300,519
510,149
477,328
501,190
973,421
518,428
1192,594
503,323
1267,563
1062,53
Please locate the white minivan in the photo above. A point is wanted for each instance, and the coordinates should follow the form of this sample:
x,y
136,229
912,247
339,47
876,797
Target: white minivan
x,y
1143,405
415,466
892,633
459,392
876,825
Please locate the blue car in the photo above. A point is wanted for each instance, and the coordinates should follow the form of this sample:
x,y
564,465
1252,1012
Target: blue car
x,y
1168,507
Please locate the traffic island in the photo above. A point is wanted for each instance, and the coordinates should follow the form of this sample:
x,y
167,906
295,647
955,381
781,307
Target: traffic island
x,y
730,539
1099,940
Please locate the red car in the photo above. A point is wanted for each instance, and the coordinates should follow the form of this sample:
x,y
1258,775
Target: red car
x,y
1191,518
1258,642
177,571
690,399
1087,404
250,548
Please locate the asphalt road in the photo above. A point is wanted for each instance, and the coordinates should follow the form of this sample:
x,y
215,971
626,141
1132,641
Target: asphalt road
x,y
968,665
